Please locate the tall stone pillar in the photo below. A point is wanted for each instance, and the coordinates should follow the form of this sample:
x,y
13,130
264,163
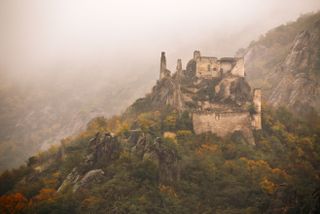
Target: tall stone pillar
x,y
163,65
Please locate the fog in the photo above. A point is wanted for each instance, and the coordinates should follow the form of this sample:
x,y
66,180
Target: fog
x,y
63,62
123,35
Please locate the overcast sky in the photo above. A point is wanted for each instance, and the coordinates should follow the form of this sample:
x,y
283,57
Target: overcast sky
x,y
122,34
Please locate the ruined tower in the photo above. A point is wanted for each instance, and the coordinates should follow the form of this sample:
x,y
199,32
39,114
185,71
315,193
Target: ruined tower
x,y
257,107
163,65
196,55
177,91
179,67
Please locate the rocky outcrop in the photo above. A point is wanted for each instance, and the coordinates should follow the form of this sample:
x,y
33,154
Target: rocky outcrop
x,y
102,147
285,63
161,153
93,176
76,181
168,162
70,180
298,85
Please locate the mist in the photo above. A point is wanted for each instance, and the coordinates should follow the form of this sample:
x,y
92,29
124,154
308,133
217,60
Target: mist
x,y
64,62
127,36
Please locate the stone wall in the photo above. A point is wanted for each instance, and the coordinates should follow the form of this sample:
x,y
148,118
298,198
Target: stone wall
x,y
207,67
222,124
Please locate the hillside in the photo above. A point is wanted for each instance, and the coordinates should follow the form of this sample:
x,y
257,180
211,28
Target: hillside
x,y
138,170
285,63
150,160
200,142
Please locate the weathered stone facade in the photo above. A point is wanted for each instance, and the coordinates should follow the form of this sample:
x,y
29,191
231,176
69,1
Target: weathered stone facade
x,y
212,67
214,91
220,123
223,124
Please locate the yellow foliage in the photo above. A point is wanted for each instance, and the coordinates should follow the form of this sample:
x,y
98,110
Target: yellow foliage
x,y
268,185
281,173
253,165
122,128
170,135
148,119
207,147
56,174
168,190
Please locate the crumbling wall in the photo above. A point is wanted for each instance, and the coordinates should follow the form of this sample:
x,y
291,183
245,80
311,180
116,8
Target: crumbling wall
x,y
223,124
207,67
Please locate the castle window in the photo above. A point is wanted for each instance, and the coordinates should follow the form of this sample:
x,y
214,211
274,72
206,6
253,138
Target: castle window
x,y
209,67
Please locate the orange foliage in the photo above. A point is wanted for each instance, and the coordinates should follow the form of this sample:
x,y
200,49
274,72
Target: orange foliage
x,y
45,194
50,181
13,203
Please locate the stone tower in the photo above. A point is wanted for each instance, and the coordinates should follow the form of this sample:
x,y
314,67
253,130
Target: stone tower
x,y
196,55
163,65
177,91
179,67
257,106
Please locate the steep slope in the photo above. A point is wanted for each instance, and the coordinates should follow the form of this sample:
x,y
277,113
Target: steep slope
x,y
285,63
151,160
140,169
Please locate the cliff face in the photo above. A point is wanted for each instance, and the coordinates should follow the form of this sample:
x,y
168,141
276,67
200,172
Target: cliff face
x,y
285,63
299,75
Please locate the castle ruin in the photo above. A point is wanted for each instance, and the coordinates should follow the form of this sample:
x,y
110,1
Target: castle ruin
x,y
215,92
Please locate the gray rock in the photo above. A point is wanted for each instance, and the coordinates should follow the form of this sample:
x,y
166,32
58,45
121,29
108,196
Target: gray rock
x,y
92,176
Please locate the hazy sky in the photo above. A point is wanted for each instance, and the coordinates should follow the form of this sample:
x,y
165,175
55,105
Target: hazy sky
x,y
124,34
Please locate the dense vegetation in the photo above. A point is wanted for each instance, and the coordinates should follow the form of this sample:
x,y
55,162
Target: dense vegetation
x,y
279,174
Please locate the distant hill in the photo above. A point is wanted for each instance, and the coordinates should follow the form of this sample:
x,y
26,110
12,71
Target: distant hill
x,y
36,113
285,63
